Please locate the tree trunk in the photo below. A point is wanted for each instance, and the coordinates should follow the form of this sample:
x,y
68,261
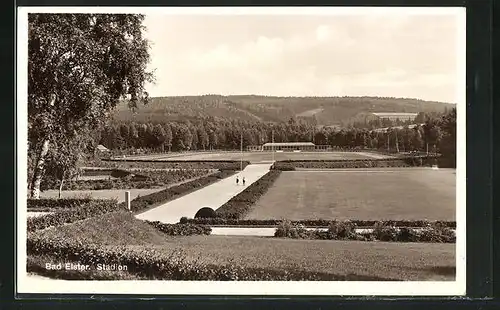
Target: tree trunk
x,y
38,173
61,186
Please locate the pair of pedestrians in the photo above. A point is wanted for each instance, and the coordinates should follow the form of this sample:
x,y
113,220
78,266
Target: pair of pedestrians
x,y
238,180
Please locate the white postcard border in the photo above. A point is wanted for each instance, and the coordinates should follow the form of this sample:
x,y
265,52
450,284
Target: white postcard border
x,y
27,284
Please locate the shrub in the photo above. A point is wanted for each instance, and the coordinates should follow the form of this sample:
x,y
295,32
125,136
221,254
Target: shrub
x,y
341,230
385,232
238,206
181,229
92,208
205,212
436,233
287,229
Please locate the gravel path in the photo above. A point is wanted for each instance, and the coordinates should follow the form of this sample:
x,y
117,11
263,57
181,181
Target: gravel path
x,y
213,196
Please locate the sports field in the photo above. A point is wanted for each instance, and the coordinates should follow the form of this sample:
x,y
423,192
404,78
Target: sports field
x,y
365,194
260,156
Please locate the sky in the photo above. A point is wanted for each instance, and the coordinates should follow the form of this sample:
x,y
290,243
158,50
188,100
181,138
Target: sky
x,y
390,55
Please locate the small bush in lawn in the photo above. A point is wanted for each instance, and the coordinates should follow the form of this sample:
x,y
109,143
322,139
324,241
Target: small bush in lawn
x,y
286,229
437,233
342,230
183,220
205,212
384,232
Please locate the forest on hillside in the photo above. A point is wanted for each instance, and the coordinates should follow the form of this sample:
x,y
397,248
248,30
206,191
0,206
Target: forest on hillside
x,y
340,111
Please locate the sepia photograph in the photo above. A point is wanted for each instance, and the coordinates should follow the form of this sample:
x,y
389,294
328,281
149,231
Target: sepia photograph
x,y
241,151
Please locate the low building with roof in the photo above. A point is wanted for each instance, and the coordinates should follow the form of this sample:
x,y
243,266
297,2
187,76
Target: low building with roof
x,y
396,116
289,146
102,149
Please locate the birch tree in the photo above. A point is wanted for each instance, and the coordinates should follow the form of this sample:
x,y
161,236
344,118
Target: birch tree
x,y
79,67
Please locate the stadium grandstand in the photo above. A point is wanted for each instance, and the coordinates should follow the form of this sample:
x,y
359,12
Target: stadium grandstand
x,y
288,147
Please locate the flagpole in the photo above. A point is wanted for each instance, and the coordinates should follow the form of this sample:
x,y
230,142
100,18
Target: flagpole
x,y
272,144
241,149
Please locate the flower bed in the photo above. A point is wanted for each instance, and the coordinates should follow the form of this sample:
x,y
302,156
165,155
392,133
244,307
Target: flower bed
x,y
175,164
139,178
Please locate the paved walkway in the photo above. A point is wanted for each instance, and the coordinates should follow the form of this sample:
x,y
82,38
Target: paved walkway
x,y
213,196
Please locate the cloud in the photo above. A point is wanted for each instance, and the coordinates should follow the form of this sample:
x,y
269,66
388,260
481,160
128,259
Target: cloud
x,y
396,56
322,33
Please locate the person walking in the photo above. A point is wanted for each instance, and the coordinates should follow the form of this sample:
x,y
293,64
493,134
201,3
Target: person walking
x,y
237,180
243,181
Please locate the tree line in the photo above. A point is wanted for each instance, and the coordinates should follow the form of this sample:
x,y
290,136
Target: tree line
x,y
435,135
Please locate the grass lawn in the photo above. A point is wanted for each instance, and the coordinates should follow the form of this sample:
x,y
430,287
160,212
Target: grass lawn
x,y
365,194
119,194
372,260
260,156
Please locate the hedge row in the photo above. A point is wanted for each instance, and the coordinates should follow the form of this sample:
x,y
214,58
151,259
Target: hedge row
x,y
172,164
181,229
93,208
315,223
143,202
410,159
356,163
381,232
152,264
51,203
238,206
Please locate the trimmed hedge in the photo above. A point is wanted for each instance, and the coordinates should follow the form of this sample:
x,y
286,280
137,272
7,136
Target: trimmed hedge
x,y
181,229
93,208
238,206
205,212
382,232
152,264
143,202
51,203
315,223
404,161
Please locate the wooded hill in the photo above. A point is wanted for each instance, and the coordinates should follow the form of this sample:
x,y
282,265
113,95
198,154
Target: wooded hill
x,y
314,110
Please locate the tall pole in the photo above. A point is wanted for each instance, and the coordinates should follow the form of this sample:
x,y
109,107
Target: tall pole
x,y
388,135
397,143
241,150
272,143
